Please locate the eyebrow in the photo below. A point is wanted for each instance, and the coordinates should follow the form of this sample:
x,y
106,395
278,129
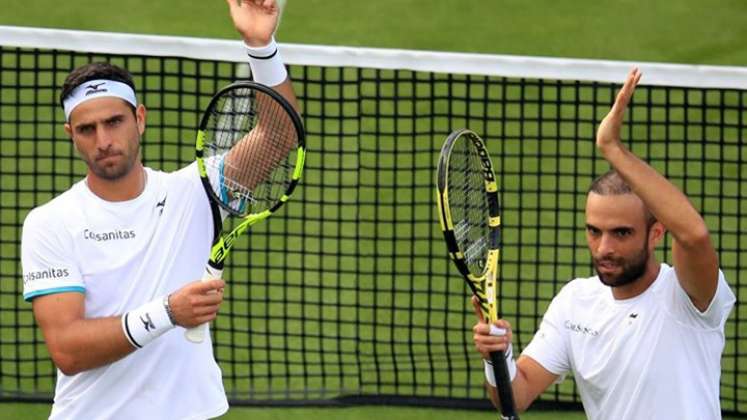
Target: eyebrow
x,y
623,229
114,118
82,126
118,116
614,229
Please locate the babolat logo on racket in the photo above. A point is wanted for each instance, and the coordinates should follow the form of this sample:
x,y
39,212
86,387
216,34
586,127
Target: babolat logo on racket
x,y
487,167
221,249
93,88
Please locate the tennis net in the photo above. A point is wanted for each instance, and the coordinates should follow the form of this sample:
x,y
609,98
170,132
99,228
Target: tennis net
x,y
347,295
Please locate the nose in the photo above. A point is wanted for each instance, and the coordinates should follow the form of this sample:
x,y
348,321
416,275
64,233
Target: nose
x,y
103,139
606,245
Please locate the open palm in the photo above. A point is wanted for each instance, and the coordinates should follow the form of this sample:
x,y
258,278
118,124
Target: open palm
x,y
608,133
256,20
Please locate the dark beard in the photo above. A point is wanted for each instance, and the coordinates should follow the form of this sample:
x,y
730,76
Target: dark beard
x,y
113,173
632,269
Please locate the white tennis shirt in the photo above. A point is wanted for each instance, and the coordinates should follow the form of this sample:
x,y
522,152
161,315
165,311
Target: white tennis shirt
x,y
654,356
122,255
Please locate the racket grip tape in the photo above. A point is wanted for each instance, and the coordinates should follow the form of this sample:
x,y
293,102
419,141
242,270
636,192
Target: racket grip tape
x,y
503,386
197,334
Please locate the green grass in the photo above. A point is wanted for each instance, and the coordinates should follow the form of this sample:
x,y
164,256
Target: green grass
x,y
688,31
29,411
355,203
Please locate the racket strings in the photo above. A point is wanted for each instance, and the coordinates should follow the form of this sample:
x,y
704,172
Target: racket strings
x,y
469,205
476,252
249,141
276,162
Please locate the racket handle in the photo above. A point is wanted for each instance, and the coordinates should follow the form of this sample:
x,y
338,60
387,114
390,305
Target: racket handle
x,y
503,386
197,334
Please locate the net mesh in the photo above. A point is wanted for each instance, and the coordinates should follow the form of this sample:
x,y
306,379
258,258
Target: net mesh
x,y
348,291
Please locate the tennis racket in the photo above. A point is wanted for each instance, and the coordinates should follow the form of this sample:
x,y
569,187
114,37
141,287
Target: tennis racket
x,y
250,154
469,211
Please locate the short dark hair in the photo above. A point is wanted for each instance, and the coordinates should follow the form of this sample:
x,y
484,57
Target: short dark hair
x,y
93,71
611,183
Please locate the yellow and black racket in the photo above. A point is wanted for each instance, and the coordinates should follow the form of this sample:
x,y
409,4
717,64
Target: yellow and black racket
x,y
250,154
469,211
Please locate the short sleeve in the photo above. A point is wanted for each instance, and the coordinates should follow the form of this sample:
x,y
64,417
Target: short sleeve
x,y
549,347
212,166
47,257
714,316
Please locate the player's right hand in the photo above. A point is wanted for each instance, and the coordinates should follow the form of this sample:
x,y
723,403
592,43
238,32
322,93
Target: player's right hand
x,y
608,133
487,339
256,20
197,302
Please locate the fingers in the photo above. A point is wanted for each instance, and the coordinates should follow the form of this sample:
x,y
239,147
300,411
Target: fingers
x,y
206,294
626,92
255,20
631,81
478,308
197,302
634,76
209,285
266,5
489,338
608,133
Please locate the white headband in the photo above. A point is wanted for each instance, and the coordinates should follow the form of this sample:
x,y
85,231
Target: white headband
x,y
93,89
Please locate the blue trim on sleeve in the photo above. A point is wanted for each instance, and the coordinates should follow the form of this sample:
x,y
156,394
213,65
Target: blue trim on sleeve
x,y
221,183
30,296
242,202
239,204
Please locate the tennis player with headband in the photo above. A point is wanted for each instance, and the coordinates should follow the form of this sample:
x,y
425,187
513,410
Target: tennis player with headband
x,y
642,339
112,266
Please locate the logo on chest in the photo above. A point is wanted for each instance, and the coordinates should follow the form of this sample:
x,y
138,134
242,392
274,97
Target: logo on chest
x,y
580,329
160,205
113,235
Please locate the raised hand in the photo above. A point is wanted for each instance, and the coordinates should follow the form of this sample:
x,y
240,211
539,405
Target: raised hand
x,y
608,134
256,20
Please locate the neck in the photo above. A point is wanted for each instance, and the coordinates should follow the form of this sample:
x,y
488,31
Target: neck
x,y
640,285
125,188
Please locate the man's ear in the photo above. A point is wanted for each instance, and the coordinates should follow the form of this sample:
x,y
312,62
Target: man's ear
x,y
69,130
140,114
656,233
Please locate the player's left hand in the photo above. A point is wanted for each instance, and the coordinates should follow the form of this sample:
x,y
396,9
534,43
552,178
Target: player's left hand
x,y
487,338
608,134
256,20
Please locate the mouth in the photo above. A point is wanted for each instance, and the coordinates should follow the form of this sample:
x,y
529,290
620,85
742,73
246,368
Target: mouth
x,y
607,265
108,156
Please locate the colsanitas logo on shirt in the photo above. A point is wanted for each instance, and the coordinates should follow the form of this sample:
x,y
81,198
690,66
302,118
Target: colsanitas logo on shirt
x,y
50,273
113,235
572,326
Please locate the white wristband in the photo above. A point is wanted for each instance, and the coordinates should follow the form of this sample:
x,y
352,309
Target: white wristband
x,y
146,323
267,64
510,363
